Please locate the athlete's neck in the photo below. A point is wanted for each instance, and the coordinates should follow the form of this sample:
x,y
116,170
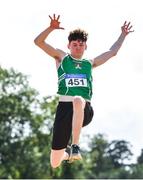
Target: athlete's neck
x,y
76,58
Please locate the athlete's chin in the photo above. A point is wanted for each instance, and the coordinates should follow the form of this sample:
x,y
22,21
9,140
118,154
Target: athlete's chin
x,y
78,55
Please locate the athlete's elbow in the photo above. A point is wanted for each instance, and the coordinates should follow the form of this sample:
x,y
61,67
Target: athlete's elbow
x,y
113,53
36,42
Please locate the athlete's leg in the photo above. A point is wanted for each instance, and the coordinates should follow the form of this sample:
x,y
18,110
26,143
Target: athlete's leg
x,y
82,116
57,156
61,133
78,117
77,123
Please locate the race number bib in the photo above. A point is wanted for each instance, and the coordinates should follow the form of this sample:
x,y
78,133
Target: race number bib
x,y
76,80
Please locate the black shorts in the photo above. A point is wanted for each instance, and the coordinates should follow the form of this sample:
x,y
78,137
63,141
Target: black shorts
x,y
63,123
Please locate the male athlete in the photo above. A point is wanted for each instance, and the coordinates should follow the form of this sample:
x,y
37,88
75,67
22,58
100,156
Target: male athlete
x,y
74,109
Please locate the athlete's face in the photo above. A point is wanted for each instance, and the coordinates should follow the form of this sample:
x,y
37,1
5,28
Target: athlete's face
x,y
77,48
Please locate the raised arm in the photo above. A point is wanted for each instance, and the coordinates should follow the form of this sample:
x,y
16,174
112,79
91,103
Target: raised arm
x,y
40,39
125,30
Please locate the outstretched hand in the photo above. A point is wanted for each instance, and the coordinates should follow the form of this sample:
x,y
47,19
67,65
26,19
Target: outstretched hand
x,y
126,28
55,24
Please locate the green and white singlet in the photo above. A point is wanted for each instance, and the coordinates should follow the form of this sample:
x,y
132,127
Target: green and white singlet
x,y
75,77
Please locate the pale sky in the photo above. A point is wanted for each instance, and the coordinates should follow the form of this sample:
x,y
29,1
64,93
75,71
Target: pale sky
x,y
117,85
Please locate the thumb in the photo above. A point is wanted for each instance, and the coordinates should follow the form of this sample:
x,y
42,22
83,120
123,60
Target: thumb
x,y
61,28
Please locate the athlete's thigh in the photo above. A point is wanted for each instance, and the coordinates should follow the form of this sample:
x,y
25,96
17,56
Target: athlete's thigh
x,y
62,125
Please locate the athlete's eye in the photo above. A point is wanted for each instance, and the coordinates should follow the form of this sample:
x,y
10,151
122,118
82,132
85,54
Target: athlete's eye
x,y
74,45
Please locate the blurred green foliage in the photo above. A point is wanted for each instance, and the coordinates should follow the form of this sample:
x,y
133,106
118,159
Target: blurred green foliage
x,y
26,121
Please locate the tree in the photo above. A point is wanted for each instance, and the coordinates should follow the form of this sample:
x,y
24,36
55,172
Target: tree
x,y
25,128
26,121
137,169
97,160
119,151
140,158
107,160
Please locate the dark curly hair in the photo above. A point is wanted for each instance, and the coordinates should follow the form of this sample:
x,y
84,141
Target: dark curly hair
x,y
78,34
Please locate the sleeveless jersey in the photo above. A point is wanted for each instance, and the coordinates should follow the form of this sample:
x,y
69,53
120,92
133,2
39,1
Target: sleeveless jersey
x,y
75,77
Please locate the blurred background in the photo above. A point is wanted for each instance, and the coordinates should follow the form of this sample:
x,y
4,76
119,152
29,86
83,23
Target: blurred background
x,y
112,143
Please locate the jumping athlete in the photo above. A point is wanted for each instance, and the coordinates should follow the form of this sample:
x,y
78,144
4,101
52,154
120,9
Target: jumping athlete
x,y
74,109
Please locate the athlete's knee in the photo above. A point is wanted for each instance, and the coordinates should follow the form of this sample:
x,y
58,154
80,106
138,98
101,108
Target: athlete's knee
x,y
56,158
55,164
78,102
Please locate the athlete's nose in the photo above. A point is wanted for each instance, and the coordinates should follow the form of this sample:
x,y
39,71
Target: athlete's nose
x,y
78,47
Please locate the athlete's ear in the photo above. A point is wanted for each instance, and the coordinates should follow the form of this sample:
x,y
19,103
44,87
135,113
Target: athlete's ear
x,y
68,45
85,46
